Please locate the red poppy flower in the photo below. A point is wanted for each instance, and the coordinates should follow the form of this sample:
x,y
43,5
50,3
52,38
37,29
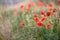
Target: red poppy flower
x,y
48,25
42,12
51,5
31,5
48,13
36,19
35,15
44,18
21,6
22,23
40,4
40,23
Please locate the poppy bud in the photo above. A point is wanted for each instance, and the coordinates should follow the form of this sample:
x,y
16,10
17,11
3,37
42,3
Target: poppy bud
x,y
22,23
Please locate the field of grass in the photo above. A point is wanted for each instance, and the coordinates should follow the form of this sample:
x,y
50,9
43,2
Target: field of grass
x,y
34,21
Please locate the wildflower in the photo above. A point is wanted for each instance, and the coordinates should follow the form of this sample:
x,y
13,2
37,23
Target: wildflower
x,y
48,25
35,15
31,5
51,5
22,23
21,6
40,23
36,19
42,12
48,13
40,4
44,18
